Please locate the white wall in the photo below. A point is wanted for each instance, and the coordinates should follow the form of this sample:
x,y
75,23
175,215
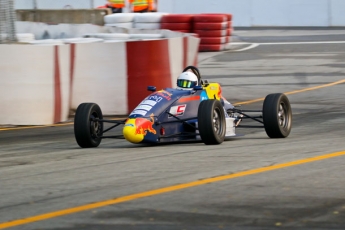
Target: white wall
x,y
337,14
266,12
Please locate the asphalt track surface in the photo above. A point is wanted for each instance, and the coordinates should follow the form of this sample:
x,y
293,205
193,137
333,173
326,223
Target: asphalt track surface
x,y
251,182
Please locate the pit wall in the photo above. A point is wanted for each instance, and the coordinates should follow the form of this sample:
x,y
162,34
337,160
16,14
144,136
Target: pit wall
x,y
41,84
250,13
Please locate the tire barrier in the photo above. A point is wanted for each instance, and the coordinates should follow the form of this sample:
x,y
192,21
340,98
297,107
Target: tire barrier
x,y
127,25
211,33
214,31
178,22
211,25
148,17
109,36
119,18
176,26
211,18
149,21
147,25
112,74
214,40
177,18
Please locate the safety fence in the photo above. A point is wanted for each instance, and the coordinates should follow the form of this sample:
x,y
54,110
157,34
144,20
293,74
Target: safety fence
x,y
7,21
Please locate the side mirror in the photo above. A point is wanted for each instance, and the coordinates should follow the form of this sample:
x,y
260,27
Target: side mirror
x,y
151,88
198,87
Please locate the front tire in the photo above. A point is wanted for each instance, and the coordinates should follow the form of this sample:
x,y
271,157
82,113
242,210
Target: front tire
x,y
211,122
277,115
88,132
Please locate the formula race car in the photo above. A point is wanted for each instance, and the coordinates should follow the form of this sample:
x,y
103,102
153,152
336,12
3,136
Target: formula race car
x,y
175,115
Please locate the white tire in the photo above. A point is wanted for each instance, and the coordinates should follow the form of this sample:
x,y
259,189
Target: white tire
x,y
108,36
119,18
147,25
149,17
146,36
127,25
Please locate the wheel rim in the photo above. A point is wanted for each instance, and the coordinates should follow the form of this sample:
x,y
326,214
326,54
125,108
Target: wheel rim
x,y
217,122
95,126
283,118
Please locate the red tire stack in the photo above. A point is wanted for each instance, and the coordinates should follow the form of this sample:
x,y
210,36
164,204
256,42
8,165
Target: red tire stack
x,y
178,22
214,31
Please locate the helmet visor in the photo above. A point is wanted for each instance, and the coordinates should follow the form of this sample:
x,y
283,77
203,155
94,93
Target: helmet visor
x,y
186,83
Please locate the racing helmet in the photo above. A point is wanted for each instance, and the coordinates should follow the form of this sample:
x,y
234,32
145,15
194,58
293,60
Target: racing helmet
x,y
187,80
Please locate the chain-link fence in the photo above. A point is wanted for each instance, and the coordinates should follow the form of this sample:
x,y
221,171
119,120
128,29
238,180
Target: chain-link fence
x,y
7,21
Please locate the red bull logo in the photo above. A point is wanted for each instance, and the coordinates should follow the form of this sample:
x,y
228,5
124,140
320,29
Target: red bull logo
x,y
143,125
164,94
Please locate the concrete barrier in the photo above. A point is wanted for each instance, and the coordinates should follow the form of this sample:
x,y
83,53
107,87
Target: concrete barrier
x,y
116,75
34,87
41,83
80,16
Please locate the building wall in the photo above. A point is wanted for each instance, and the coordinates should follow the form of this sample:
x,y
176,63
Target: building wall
x,y
246,13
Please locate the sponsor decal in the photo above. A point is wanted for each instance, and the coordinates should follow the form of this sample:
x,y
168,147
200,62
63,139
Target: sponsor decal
x,y
130,125
143,125
149,102
144,107
177,110
138,112
203,96
164,94
155,98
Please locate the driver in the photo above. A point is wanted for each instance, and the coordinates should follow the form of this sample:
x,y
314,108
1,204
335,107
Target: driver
x,y
187,81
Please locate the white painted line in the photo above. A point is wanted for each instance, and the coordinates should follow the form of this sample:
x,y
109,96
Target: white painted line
x,y
301,43
252,46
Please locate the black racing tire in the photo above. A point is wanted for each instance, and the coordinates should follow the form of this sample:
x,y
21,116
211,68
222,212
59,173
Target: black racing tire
x,y
88,133
211,122
277,115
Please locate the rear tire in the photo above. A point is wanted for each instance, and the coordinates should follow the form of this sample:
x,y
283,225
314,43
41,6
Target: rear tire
x,y
87,132
277,115
211,122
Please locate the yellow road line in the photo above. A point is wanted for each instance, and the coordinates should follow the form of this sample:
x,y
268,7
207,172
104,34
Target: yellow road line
x,y
295,92
164,190
35,127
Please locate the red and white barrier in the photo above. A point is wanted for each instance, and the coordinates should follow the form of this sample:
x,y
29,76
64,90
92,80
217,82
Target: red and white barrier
x,y
34,87
117,77
40,84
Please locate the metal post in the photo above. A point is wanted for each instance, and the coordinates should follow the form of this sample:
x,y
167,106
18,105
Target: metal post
x,y
35,4
12,20
2,21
